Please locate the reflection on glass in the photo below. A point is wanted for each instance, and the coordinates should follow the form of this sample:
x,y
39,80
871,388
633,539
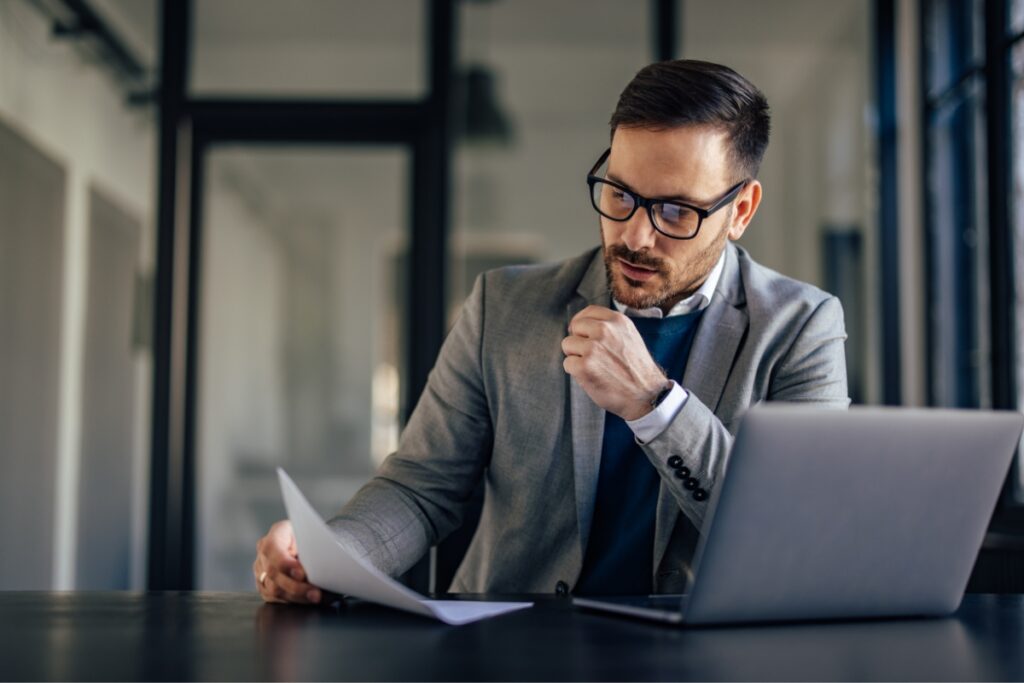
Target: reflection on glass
x,y
315,48
300,337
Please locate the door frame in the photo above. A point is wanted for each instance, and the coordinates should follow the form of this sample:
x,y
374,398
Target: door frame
x,y
188,129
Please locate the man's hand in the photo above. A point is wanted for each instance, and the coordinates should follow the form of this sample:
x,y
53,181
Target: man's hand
x,y
279,576
608,357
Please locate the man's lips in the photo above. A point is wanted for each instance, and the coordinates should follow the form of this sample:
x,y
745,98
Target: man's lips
x,y
638,273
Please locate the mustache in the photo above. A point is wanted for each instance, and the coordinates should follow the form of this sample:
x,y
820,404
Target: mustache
x,y
637,258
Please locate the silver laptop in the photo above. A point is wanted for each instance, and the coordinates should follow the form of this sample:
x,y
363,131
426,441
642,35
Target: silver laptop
x,y
830,514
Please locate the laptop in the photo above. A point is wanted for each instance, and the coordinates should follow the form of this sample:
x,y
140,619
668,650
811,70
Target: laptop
x,y
834,514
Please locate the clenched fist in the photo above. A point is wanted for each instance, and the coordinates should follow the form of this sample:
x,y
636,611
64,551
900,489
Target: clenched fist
x,y
606,355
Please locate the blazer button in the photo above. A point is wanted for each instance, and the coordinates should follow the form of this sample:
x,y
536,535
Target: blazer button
x,y
561,588
682,472
700,495
691,484
675,461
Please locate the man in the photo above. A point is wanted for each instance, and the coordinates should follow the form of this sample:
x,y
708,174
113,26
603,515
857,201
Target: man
x,y
597,398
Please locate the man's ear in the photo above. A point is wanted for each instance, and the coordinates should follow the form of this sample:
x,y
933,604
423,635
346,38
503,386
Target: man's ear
x,y
746,205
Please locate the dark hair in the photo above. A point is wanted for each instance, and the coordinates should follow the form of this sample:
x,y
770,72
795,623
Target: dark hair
x,y
685,92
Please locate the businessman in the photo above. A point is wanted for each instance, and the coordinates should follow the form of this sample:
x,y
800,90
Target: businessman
x,y
597,398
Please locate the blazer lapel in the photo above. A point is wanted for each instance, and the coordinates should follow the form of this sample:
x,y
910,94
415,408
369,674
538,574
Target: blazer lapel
x,y
718,337
586,417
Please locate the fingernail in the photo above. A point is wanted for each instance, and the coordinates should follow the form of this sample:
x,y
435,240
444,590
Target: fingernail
x,y
297,575
313,595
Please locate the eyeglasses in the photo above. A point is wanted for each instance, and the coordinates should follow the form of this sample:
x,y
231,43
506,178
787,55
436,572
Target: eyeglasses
x,y
678,220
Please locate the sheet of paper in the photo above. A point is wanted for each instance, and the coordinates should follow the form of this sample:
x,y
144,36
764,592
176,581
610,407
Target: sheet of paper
x,y
331,565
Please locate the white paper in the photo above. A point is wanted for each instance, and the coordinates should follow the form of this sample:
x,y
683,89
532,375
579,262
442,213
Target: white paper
x,y
330,565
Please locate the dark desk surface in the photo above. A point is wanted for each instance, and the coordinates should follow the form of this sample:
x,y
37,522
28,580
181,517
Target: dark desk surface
x,y
220,636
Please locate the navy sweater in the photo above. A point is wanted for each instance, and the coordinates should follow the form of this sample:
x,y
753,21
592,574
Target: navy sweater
x,y
620,551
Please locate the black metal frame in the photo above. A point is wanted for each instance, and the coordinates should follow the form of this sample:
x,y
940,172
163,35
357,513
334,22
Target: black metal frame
x,y
189,128
80,21
1000,193
888,202
169,496
665,29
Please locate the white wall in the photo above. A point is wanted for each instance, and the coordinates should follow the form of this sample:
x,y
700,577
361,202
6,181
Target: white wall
x,y
72,110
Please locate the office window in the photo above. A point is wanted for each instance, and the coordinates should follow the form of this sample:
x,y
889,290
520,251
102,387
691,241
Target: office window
x,y
967,305
956,205
300,336
309,48
956,236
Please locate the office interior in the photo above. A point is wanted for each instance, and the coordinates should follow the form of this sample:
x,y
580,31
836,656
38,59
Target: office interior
x,y
233,234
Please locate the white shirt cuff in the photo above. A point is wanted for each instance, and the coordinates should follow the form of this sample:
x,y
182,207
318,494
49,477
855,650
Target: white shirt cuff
x,y
651,425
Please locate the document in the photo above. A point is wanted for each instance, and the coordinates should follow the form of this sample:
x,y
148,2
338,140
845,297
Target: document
x,y
331,565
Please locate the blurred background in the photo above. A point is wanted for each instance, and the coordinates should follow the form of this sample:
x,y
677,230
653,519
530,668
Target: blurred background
x,y
233,233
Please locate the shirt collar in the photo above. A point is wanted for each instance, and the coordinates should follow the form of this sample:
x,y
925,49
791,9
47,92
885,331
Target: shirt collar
x,y
697,301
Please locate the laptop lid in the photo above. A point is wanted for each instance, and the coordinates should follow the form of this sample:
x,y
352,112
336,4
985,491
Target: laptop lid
x,y
860,513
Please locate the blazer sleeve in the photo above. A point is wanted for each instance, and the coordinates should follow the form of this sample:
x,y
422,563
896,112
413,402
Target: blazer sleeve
x,y
418,495
811,371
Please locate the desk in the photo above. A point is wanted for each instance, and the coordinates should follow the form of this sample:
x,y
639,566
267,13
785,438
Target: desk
x,y
226,636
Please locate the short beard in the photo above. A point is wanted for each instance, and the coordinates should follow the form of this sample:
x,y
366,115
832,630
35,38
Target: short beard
x,y
678,281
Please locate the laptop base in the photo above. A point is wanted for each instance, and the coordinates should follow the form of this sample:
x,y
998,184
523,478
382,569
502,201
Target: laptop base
x,y
666,608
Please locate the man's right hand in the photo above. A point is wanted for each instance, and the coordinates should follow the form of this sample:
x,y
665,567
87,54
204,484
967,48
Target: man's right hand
x,y
279,576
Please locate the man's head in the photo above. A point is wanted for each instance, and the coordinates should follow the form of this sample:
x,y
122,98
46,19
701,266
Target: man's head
x,y
689,131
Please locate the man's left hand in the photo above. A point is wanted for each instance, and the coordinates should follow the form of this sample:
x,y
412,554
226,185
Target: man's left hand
x,y
605,353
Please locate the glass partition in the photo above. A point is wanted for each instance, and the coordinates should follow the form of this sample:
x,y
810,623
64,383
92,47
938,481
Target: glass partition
x,y
300,336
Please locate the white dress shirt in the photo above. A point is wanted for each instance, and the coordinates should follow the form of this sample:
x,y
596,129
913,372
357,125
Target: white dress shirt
x,y
652,424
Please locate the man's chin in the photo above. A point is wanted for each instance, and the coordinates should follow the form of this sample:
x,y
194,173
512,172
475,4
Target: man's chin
x,y
634,294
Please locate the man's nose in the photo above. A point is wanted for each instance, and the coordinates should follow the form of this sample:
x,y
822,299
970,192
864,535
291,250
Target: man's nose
x,y
637,232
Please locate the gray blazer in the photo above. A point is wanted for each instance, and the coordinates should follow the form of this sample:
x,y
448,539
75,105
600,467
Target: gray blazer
x,y
499,405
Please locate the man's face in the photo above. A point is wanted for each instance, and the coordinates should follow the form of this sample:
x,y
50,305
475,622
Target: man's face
x,y
689,164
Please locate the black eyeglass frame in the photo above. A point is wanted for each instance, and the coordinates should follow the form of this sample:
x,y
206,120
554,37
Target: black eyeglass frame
x,y
649,204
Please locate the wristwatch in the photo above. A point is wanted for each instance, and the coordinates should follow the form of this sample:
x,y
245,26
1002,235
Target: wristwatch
x,y
660,396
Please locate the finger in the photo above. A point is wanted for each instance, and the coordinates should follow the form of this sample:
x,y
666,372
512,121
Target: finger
x,y
572,365
274,586
274,558
575,346
591,328
286,588
266,588
280,558
596,313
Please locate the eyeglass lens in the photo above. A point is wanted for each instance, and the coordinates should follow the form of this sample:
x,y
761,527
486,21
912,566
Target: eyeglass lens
x,y
618,205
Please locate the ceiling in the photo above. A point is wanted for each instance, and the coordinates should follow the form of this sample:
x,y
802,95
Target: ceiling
x,y
499,22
